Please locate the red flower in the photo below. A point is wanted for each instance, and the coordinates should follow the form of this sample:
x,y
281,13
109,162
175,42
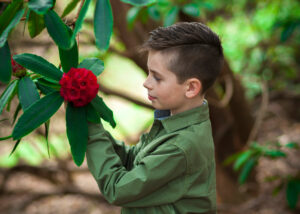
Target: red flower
x,y
79,86
17,69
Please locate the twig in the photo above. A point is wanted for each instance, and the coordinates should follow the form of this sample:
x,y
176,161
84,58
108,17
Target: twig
x,y
228,94
124,96
78,12
261,113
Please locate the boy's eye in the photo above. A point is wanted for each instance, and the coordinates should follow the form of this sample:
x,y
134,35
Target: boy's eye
x,y
156,78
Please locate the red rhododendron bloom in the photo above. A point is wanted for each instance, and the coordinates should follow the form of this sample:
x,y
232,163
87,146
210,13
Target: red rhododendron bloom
x,y
79,86
17,69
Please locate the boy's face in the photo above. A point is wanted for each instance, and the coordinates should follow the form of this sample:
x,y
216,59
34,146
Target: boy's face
x,y
163,89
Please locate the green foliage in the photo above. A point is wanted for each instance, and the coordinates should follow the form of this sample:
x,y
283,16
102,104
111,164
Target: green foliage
x,y
103,110
5,65
292,192
37,114
91,114
191,9
103,24
246,161
7,94
80,19
69,58
40,6
38,65
77,132
171,16
71,6
58,30
93,64
9,19
27,92
139,2
36,24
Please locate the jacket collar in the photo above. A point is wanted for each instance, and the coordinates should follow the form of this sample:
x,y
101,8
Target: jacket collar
x,y
182,119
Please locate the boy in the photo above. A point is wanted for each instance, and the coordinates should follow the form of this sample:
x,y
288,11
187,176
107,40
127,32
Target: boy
x,y
172,168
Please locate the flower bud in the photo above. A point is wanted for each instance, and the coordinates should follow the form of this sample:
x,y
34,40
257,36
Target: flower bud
x,y
17,69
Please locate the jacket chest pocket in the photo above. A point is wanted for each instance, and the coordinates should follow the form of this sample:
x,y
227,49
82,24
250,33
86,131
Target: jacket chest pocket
x,y
150,146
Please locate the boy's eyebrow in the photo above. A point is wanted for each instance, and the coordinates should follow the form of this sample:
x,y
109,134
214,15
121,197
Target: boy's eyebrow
x,y
155,72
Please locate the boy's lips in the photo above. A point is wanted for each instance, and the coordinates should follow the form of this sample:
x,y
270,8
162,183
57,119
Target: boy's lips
x,y
151,98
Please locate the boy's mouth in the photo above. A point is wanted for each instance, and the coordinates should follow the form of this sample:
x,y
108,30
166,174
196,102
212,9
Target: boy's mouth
x,y
151,98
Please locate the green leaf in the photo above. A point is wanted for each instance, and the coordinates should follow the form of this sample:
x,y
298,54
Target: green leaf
x,y
242,159
5,65
36,24
47,83
69,58
44,89
70,7
154,13
40,6
139,2
274,153
19,107
292,193
9,14
47,127
103,24
247,169
92,114
231,158
57,30
132,15
15,147
277,189
38,65
11,25
80,19
292,145
191,9
288,31
27,92
37,114
94,64
103,110
5,96
171,16
12,95
5,138
77,132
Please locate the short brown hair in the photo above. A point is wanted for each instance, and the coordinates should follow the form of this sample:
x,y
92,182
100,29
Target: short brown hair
x,y
196,49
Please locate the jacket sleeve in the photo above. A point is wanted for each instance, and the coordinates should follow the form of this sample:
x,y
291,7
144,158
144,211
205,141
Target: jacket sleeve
x,y
133,188
125,152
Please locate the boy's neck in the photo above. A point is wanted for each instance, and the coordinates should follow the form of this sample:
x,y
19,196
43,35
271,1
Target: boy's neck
x,y
190,104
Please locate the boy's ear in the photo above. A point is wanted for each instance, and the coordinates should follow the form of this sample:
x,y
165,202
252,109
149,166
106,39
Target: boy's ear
x,y
193,87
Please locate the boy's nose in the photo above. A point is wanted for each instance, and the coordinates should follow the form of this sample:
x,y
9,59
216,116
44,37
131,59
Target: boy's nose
x,y
147,84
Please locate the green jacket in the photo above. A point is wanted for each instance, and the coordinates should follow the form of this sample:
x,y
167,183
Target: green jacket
x,y
171,170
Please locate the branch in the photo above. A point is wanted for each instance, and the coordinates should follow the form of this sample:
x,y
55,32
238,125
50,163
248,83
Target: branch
x,y
261,113
228,94
124,96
